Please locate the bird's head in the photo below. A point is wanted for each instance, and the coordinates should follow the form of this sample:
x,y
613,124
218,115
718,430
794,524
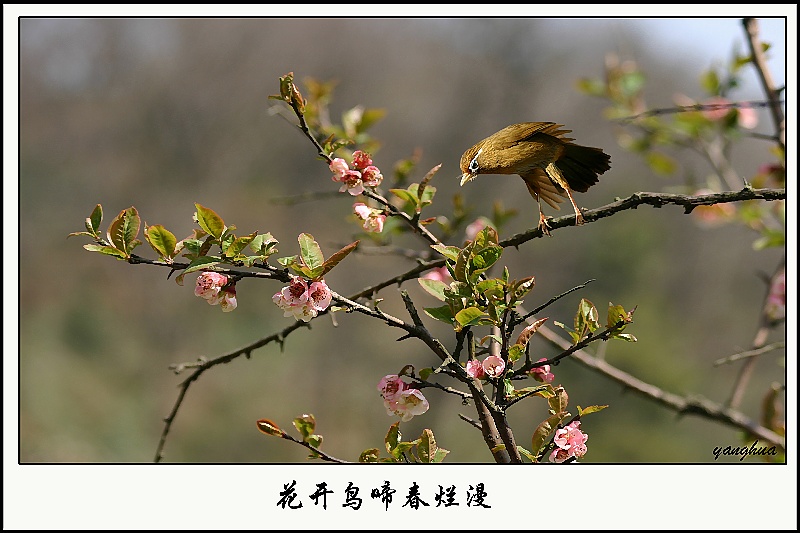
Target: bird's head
x,y
470,167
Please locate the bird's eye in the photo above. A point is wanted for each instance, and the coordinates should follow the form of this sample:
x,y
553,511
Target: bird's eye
x,y
473,165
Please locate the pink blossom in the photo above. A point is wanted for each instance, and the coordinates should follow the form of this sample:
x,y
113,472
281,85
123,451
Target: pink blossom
x,y
208,285
542,373
371,176
407,404
439,274
226,298
493,366
351,182
776,299
296,293
373,218
361,160
301,301
400,399
570,442
319,295
339,167
475,369
391,386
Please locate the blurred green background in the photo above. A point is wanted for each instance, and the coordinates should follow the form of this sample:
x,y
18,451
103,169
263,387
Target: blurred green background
x,y
162,113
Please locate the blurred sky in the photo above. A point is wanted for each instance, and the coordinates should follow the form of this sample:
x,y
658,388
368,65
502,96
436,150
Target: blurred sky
x,y
716,35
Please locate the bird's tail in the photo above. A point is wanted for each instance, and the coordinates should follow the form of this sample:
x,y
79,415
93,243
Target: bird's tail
x,y
580,165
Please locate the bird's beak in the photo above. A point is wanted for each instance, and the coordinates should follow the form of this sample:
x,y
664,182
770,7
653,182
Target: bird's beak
x,y
465,177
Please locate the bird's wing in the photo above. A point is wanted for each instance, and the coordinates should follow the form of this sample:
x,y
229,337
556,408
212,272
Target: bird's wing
x,y
529,131
540,186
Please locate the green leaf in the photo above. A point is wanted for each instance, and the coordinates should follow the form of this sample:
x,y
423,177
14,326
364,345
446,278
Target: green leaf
x,y
315,440
526,334
393,437
616,313
515,352
486,237
591,409
526,453
522,287
439,456
336,258
161,240
558,403
624,336
426,448
305,424
490,286
200,263
450,252
443,313
460,269
107,250
238,244
586,318
542,431
369,456
484,259
124,229
424,373
311,254
427,195
469,316
491,337
94,220
408,197
434,287
209,221
264,244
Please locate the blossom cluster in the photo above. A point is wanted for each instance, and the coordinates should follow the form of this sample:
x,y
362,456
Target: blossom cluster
x,y
301,300
400,398
211,286
570,442
363,173
373,218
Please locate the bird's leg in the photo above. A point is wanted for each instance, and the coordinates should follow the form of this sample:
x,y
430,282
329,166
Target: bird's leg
x,y
578,215
557,177
543,225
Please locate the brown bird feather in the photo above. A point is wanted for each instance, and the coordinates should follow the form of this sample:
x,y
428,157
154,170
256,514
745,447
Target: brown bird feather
x,y
551,164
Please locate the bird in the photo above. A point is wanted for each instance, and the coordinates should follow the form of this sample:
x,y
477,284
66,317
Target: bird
x,y
551,165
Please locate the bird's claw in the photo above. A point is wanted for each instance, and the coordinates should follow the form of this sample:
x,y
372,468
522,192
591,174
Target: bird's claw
x,y
543,225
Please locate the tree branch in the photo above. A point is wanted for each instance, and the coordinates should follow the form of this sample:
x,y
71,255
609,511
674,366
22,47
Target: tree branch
x,y
689,202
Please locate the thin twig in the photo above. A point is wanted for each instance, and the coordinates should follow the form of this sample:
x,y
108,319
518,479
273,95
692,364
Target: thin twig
x,y
749,353
773,93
